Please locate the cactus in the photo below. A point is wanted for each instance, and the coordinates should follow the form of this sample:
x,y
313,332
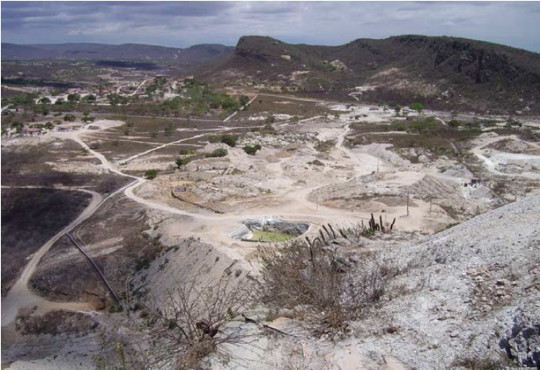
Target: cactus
x,y
333,232
322,236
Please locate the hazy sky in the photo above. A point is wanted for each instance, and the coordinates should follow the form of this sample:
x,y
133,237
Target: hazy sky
x,y
181,24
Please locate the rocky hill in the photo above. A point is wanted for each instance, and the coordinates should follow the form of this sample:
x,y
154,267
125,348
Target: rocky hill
x,y
193,54
442,72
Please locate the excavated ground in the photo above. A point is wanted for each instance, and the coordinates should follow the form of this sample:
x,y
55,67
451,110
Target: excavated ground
x,y
179,225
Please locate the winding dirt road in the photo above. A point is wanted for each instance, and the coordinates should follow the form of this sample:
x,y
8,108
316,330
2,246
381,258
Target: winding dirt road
x,y
19,295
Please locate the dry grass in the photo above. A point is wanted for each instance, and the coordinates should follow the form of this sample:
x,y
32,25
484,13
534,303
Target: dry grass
x,y
335,289
180,328
282,105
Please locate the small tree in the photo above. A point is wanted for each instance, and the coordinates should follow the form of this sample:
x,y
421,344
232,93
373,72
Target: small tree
x,y
90,99
217,153
182,161
417,107
45,100
251,150
169,129
230,140
69,117
73,98
181,326
243,100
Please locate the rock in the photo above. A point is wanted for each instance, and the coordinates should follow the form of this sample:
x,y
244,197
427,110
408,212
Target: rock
x,y
522,340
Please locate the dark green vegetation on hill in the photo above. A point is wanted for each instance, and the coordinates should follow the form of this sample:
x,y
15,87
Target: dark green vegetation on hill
x,y
440,72
445,73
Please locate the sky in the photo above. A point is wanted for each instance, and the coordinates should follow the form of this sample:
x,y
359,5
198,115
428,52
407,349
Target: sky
x,y
182,24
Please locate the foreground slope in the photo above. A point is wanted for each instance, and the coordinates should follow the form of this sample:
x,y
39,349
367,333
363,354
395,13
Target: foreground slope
x,y
468,298
478,292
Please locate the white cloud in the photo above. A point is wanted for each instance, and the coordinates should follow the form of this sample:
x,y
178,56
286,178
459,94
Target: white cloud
x,y
182,24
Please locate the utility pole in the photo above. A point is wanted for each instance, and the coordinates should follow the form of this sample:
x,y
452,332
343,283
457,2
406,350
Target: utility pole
x,y
407,203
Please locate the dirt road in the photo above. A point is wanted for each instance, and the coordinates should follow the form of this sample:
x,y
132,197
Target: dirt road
x,y
20,296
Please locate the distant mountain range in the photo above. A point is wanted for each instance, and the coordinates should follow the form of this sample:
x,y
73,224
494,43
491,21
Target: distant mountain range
x,y
441,72
139,52
444,72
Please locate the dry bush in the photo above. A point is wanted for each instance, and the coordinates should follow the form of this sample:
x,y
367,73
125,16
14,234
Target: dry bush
x,y
333,287
181,327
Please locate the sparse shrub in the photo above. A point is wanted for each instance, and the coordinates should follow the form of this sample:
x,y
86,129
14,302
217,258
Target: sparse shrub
x,y
230,140
214,139
181,326
270,119
186,151
217,153
399,126
90,99
150,174
73,98
143,264
474,124
251,150
243,100
307,274
419,107
183,161
325,146
69,117
169,129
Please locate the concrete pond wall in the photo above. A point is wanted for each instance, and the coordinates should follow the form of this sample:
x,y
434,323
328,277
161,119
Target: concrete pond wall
x,y
269,224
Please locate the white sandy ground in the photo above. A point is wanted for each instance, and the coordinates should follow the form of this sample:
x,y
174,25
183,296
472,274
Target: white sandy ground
x,y
216,228
495,160
294,203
